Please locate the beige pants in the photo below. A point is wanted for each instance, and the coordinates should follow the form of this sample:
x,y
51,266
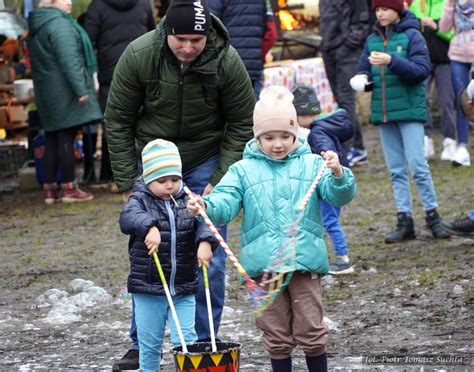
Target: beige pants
x,y
295,318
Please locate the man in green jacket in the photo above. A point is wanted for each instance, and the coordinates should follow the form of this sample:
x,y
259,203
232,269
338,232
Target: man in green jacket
x,y
183,83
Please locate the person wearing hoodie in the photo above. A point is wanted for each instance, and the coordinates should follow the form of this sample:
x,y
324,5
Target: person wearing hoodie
x,y
428,14
184,83
111,26
62,65
396,60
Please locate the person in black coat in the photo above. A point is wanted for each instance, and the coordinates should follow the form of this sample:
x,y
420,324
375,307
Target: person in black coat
x,y
326,133
344,26
111,26
157,220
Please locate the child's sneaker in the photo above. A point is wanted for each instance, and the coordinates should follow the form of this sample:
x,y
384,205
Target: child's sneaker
x,y
356,156
73,194
341,266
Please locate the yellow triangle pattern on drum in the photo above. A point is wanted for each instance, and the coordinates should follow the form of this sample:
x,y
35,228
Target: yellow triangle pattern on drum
x,y
180,359
234,354
196,360
216,358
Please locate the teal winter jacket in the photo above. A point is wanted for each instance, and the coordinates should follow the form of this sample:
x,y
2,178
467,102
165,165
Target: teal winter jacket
x,y
269,192
398,88
59,73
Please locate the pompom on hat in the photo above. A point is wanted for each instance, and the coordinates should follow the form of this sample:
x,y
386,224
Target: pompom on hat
x,y
396,5
160,158
185,17
275,112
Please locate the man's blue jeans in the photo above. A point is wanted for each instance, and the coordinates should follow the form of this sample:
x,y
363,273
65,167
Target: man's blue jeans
x,y
197,179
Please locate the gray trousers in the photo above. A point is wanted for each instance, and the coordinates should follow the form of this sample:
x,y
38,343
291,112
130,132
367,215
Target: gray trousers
x,y
341,65
441,75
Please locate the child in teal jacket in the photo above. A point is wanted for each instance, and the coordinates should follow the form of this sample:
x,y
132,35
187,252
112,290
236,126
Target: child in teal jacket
x,y
268,183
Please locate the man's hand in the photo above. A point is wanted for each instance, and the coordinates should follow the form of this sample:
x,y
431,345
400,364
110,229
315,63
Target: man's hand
x,y
126,195
204,254
194,205
153,240
332,160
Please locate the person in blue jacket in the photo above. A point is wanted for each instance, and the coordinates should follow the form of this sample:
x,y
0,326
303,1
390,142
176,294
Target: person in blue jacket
x,y
268,184
326,132
156,219
396,60
246,22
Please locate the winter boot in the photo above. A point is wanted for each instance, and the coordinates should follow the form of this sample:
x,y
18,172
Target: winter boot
x,y
404,231
433,220
281,365
50,193
318,363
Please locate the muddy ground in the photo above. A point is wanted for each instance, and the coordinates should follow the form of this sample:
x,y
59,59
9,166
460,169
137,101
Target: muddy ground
x,y
412,299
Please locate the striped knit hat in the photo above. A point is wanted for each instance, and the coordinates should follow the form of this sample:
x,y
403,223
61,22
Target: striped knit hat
x,y
160,158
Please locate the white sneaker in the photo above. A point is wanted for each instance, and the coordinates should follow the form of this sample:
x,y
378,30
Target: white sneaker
x,y
449,149
461,157
428,147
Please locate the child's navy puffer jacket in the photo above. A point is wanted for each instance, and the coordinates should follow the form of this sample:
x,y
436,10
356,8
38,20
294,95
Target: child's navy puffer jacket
x,y
180,237
330,132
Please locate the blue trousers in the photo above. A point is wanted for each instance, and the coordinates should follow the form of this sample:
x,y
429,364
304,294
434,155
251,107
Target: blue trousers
x,y
330,215
151,314
460,78
441,75
402,144
197,179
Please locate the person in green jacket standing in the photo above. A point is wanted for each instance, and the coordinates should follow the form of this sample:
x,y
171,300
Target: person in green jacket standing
x,y
186,84
62,64
395,60
428,14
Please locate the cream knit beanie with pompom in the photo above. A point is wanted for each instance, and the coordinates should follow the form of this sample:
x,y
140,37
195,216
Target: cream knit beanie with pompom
x,y
275,112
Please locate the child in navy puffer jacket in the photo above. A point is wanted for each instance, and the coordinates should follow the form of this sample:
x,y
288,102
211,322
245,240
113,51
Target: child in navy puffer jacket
x,y
327,132
156,219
